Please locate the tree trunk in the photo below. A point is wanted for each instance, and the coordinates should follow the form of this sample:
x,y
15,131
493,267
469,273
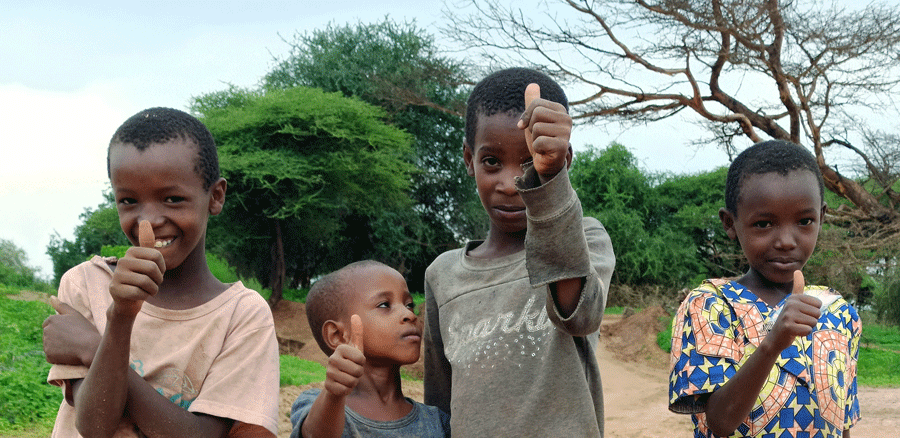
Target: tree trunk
x,y
278,271
857,194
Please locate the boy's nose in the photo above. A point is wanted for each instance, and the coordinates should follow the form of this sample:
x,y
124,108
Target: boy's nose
x,y
410,315
508,184
151,215
785,240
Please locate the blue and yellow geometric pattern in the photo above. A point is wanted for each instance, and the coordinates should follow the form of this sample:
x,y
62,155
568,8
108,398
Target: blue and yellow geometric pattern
x,y
811,390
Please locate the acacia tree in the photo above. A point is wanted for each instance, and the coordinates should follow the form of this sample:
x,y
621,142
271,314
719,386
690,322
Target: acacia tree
x,y
398,67
301,165
796,70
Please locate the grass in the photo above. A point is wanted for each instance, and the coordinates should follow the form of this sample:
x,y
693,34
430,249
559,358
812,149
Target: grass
x,y
27,402
297,372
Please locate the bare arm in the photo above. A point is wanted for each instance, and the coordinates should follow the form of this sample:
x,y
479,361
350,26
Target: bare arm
x,y
100,400
326,417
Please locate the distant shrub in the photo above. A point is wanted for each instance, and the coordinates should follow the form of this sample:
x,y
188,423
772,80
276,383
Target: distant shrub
x,y
887,299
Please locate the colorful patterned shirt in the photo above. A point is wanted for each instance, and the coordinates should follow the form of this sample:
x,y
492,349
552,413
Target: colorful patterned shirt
x,y
811,390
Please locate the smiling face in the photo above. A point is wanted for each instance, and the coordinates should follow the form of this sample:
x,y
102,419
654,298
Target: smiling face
x,y
777,223
392,332
495,160
159,184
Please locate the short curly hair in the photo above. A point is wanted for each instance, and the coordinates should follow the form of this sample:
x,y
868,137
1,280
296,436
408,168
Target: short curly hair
x,y
161,125
769,156
326,298
504,92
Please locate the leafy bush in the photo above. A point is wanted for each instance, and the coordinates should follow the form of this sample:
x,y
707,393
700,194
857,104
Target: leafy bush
x,y
887,300
26,401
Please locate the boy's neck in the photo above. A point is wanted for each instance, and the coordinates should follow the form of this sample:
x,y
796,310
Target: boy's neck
x,y
189,285
378,395
499,244
771,293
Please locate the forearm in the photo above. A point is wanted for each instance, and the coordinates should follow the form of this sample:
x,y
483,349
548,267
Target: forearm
x,y
326,417
101,396
730,405
566,295
157,416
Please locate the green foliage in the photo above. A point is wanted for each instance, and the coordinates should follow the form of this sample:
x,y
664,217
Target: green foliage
x,y
297,372
397,67
298,295
15,272
305,170
117,251
887,299
664,229
664,338
27,402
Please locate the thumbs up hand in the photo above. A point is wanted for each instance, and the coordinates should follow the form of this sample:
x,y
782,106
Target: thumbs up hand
x,y
345,365
138,275
69,338
547,127
798,316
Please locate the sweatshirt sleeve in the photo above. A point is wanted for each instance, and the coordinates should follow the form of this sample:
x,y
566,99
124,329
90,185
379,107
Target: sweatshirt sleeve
x,y
437,367
560,244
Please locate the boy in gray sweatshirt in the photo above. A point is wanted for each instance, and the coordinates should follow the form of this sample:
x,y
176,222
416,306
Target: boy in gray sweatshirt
x,y
512,321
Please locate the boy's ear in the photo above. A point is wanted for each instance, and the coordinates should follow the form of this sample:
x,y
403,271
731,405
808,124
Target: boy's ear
x,y
727,222
333,333
467,157
217,196
569,156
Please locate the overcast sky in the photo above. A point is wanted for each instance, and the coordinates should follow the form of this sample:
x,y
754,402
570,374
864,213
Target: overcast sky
x,y
71,74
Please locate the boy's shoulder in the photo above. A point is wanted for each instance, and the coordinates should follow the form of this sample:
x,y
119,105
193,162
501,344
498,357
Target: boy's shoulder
x,y
97,269
446,260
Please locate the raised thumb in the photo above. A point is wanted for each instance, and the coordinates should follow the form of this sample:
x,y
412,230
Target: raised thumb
x,y
799,283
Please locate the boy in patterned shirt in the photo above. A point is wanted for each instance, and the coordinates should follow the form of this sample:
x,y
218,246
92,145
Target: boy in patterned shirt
x,y
765,355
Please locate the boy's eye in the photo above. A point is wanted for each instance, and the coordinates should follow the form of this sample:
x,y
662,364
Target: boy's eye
x,y
384,304
762,224
490,161
806,221
411,305
126,201
174,199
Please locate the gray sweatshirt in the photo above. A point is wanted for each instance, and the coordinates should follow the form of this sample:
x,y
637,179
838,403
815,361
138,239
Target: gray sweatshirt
x,y
498,355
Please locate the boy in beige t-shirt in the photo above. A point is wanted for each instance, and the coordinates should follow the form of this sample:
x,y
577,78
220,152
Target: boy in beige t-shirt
x,y
153,344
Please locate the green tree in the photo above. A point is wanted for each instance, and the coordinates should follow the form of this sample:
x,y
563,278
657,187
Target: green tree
x,y
304,169
398,67
14,268
665,229
99,227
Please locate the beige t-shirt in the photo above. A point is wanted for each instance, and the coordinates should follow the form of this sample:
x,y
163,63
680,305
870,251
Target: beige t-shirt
x,y
220,358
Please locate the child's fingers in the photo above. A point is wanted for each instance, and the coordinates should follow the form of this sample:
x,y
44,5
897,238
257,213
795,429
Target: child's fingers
x,y
146,239
356,332
799,283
